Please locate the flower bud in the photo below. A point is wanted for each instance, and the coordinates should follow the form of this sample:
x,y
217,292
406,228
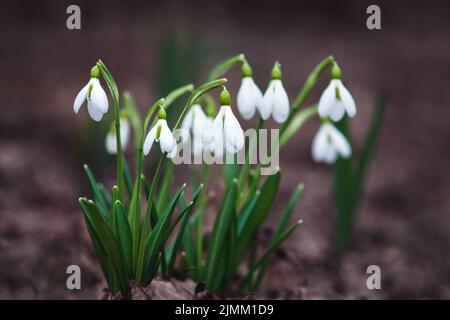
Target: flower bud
x,y
246,70
336,72
225,99
95,72
162,113
276,71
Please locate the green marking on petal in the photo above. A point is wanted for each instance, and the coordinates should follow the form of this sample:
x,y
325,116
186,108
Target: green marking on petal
x,y
158,132
90,91
337,93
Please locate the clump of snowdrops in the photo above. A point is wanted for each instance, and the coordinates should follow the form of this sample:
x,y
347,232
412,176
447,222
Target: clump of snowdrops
x,y
146,225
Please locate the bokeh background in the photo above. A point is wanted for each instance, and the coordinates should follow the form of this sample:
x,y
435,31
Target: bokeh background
x,y
153,46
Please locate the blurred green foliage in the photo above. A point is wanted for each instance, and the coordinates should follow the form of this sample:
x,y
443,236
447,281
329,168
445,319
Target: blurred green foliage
x,y
350,175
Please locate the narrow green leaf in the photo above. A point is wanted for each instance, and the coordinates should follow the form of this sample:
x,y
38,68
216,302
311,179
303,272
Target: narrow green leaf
x,y
98,196
189,249
184,215
259,213
230,171
127,178
164,192
98,249
113,220
105,194
289,210
218,236
246,211
369,146
342,192
230,268
155,240
349,180
124,236
108,241
146,186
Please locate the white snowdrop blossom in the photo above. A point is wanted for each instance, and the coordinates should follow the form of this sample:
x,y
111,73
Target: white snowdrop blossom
x,y
110,141
195,121
93,93
276,100
249,98
329,143
198,144
335,101
161,134
226,133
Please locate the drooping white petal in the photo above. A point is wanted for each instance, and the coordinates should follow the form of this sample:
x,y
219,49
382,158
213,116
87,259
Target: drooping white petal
x,y
172,153
110,141
249,98
98,96
328,143
265,109
187,121
199,125
80,98
340,142
166,138
234,134
347,100
151,137
197,146
330,154
194,121
335,101
337,111
327,100
319,145
218,145
94,112
208,138
280,102
125,131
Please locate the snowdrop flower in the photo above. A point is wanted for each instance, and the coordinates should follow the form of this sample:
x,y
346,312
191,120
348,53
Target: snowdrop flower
x,y
226,132
194,121
275,101
110,141
97,101
329,143
336,100
162,134
198,140
249,97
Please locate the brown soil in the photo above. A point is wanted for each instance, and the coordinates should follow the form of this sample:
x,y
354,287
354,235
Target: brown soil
x,y
404,222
